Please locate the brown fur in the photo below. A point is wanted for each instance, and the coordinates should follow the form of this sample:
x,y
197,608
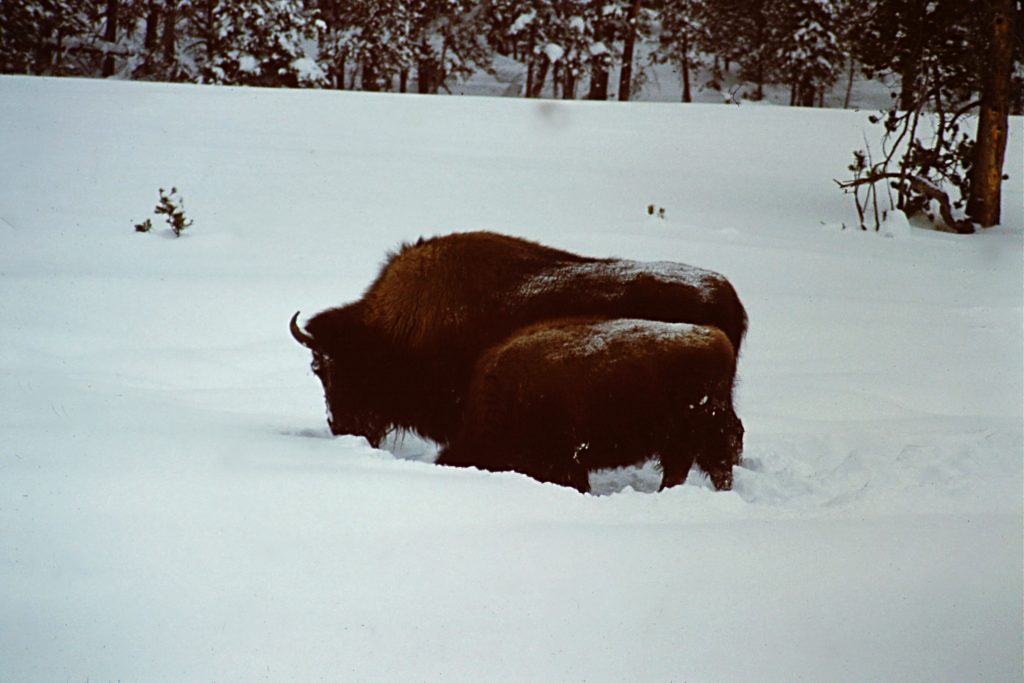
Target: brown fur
x,y
402,355
564,397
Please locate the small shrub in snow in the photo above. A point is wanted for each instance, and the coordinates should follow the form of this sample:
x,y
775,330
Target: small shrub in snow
x,y
173,207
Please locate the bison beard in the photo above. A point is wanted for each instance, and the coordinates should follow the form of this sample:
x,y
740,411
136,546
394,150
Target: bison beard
x,y
401,357
562,398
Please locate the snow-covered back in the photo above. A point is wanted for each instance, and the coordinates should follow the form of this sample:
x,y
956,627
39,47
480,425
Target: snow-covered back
x,y
173,508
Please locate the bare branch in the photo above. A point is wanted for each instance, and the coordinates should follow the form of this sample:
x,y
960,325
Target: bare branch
x,y
922,186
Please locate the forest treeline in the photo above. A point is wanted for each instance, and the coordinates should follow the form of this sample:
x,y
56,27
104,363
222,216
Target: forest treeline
x,y
950,58
569,48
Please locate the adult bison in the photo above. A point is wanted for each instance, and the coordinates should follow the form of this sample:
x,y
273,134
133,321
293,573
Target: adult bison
x,y
401,356
561,398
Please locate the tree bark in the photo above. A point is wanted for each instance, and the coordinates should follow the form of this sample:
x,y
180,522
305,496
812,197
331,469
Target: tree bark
x,y
170,32
849,83
568,84
599,68
910,67
684,62
983,206
540,75
626,72
110,35
598,79
152,26
371,83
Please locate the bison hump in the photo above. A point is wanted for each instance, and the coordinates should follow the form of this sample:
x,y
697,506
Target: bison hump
x,y
429,292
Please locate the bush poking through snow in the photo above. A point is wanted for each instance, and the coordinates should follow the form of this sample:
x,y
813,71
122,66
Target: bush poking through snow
x,y
660,211
173,207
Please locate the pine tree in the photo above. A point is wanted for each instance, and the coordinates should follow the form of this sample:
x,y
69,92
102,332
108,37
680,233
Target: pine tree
x,y
26,36
682,33
806,48
256,42
371,39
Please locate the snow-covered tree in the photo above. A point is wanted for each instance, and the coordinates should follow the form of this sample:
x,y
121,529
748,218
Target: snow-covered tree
x,y
32,34
681,36
806,48
371,39
573,40
63,37
385,40
255,42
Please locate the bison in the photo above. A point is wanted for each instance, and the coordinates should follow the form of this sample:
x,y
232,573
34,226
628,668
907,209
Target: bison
x,y
561,398
401,356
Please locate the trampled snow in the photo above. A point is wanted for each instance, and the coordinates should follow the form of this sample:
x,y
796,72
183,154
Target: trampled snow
x,y
173,508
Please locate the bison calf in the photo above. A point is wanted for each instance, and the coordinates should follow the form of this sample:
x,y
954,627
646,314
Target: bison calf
x,y
563,397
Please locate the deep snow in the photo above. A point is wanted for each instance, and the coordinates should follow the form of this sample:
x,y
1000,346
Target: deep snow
x,y
172,507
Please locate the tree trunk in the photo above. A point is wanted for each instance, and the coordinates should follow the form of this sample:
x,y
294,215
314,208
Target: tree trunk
x,y
626,72
910,69
370,79
568,84
213,38
170,33
110,35
340,73
849,83
684,63
990,148
152,26
540,76
807,92
599,64
425,72
598,79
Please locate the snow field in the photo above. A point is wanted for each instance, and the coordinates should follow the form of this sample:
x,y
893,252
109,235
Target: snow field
x,y
172,507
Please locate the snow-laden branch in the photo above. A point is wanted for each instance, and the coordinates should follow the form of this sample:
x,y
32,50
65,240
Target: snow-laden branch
x,y
922,186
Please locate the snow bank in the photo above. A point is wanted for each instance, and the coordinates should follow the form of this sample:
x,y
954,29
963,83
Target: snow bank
x,y
173,508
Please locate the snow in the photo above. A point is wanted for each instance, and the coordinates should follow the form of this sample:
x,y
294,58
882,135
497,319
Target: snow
x,y
308,71
172,506
603,334
554,51
603,278
522,21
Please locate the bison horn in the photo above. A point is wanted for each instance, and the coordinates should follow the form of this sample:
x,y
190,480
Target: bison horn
x,y
299,335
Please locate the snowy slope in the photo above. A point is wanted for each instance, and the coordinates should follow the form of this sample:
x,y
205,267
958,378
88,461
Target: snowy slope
x,y
172,507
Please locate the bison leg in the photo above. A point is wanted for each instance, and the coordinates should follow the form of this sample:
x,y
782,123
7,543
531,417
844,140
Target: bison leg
x,y
675,466
721,478
723,447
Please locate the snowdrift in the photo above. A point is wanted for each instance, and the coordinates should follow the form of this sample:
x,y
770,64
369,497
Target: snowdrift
x,y
172,506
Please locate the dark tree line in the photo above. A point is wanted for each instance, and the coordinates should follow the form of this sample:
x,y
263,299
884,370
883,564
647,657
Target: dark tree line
x,y
570,48
951,58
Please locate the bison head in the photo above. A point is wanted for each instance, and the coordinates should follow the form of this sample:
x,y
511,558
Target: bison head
x,y
345,365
